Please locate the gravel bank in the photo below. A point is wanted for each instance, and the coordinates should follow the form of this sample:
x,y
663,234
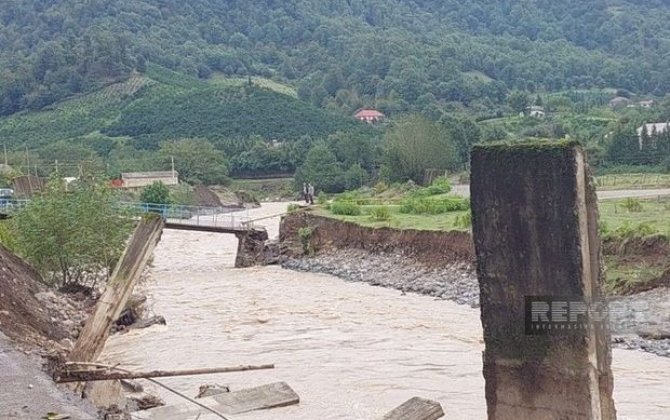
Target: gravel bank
x,y
646,314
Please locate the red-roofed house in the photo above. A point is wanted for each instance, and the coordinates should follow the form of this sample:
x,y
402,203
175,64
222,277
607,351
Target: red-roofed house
x,y
370,116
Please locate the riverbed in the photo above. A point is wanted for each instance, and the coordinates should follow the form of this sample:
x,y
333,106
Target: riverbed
x,y
350,350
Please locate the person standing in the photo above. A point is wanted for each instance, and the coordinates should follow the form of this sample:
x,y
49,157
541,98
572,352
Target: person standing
x,y
310,193
305,192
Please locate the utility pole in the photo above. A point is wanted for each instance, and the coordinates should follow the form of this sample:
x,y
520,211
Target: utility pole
x,y
174,178
4,146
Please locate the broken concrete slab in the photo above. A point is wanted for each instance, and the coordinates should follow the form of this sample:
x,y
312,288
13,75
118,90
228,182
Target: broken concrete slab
x,y
416,409
258,398
278,394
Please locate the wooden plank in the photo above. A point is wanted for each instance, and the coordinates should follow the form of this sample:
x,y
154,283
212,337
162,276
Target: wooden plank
x,y
416,409
274,395
92,339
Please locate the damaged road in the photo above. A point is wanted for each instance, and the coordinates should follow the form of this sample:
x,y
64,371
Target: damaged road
x,y
29,393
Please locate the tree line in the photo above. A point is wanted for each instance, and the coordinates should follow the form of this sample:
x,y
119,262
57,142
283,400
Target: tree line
x,y
423,56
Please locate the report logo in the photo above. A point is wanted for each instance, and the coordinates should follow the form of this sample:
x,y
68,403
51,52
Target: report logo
x,y
554,315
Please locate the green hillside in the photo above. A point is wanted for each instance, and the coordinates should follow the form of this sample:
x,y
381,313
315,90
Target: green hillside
x,y
422,55
122,124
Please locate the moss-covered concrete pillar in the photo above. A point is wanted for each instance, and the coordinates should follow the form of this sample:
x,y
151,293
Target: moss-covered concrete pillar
x,y
250,248
534,221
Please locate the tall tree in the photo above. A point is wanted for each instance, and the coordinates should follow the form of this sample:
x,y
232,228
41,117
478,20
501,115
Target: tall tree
x,y
414,145
196,160
72,234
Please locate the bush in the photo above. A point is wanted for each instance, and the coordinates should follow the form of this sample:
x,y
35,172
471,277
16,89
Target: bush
x,y
380,214
322,198
305,235
632,205
353,197
440,185
628,231
292,208
74,236
345,208
8,236
434,206
156,193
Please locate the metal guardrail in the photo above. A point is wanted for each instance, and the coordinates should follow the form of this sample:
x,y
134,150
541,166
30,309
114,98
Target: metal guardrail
x,y
212,217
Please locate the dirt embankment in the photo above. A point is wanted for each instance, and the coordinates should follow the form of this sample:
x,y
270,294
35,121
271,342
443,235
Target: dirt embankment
x,y
23,316
651,253
438,249
431,248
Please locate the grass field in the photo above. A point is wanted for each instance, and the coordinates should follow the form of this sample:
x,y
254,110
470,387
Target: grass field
x,y
624,217
442,222
654,213
619,219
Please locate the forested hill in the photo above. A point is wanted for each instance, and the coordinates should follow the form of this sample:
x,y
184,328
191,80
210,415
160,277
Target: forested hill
x,y
397,55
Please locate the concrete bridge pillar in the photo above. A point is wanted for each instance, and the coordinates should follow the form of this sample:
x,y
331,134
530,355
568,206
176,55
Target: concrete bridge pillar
x,y
534,220
250,248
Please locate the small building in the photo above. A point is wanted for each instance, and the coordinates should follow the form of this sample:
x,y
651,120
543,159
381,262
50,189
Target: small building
x,y
370,116
653,129
646,104
535,111
142,179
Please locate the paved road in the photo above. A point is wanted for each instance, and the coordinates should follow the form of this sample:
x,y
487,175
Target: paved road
x,y
464,190
28,393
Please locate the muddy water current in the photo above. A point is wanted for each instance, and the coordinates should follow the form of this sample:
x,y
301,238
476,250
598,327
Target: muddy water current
x,y
350,350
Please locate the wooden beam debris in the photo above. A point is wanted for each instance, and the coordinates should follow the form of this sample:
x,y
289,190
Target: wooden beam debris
x,y
416,409
92,339
109,375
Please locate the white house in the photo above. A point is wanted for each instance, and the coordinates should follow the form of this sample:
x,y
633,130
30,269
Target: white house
x,y
142,179
646,104
533,112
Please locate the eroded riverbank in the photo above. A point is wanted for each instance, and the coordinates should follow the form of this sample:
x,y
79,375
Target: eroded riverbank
x,y
350,350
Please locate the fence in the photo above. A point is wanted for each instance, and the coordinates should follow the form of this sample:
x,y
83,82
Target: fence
x,y
634,181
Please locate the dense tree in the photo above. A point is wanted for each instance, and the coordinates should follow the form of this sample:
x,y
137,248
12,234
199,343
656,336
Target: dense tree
x,y
72,236
415,145
156,193
196,160
519,101
390,51
322,170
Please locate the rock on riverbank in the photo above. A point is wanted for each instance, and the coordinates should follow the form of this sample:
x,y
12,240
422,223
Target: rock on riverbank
x,y
456,282
645,314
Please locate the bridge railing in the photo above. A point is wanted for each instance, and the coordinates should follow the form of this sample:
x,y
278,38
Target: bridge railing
x,y
221,217
217,217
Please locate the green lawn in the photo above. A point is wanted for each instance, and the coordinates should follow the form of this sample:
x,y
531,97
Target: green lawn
x,y
655,213
445,222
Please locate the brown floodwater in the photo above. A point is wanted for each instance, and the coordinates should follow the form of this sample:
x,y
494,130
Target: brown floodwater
x,y
350,350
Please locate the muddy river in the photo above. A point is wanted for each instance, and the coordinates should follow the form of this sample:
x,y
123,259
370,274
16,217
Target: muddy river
x,y
350,350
